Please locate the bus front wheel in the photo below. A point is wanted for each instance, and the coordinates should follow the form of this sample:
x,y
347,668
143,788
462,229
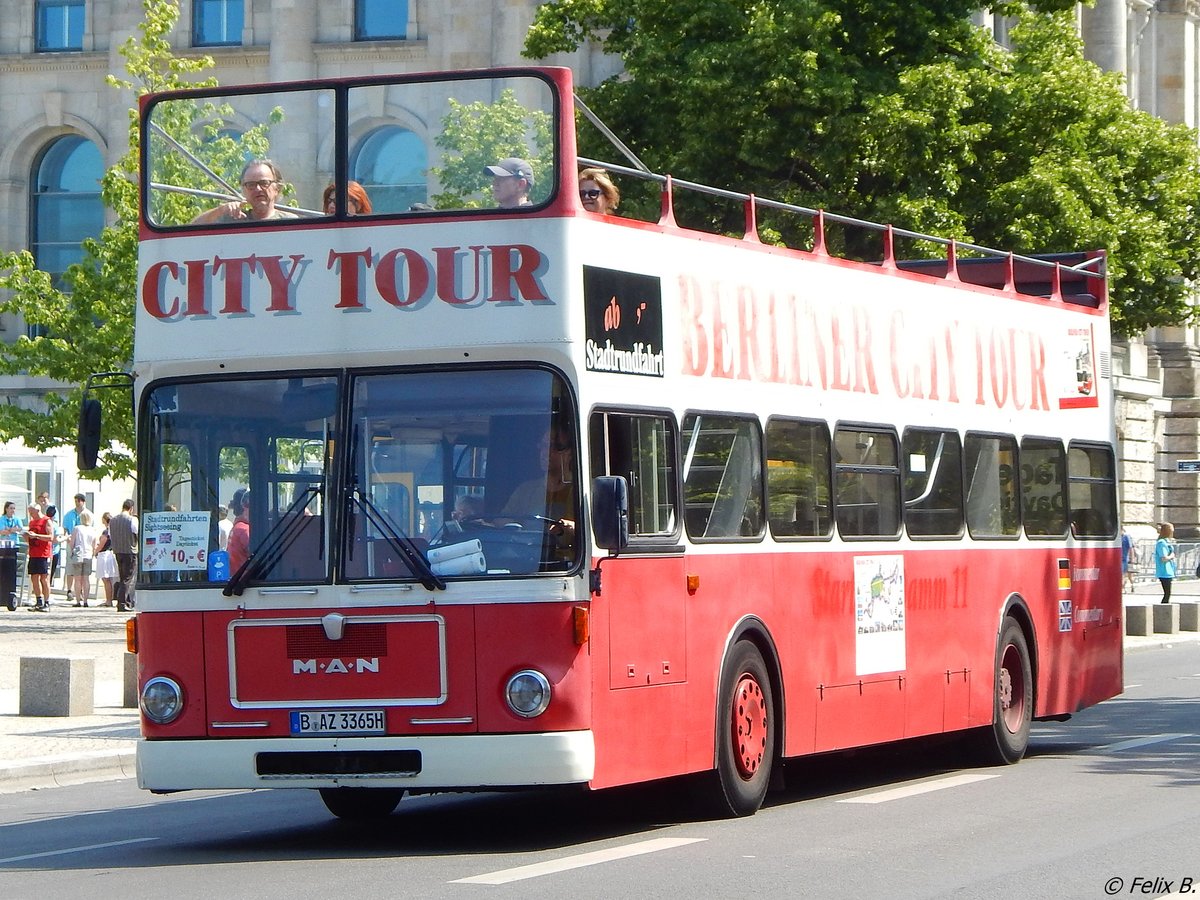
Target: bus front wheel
x,y
361,803
1006,740
745,733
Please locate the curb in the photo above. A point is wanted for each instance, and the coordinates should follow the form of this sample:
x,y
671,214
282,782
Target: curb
x,y
58,771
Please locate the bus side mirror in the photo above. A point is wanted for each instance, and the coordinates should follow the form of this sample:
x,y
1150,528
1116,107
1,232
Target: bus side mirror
x,y
87,438
610,512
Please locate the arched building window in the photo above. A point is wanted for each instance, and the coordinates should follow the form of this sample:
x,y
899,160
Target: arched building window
x,y
390,163
65,205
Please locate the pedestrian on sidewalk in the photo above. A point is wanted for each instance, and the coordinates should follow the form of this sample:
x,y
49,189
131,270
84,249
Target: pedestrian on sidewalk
x,y
106,562
40,535
83,552
69,520
1164,558
11,526
123,537
1129,556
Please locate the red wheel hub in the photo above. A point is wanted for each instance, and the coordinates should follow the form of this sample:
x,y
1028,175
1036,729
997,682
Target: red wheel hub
x,y
749,726
1011,690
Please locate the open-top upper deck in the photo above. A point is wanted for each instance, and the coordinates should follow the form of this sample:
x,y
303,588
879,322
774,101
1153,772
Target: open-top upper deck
x,y
444,270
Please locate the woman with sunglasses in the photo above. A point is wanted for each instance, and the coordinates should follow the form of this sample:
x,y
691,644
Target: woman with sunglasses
x,y
597,192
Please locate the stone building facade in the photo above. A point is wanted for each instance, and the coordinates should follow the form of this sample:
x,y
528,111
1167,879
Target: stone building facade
x,y
1156,47
61,119
63,124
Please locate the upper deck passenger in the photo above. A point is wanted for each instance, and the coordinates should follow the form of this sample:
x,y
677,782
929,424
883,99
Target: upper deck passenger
x,y
512,179
261,182
357,201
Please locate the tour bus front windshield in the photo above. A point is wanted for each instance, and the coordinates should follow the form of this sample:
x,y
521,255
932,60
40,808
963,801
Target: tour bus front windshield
x,y
438,145
429,476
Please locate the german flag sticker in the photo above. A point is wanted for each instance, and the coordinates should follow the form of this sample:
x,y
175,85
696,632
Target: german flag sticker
x,y
1064,574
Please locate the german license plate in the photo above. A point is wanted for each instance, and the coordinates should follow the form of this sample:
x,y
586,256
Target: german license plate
x,y
337,721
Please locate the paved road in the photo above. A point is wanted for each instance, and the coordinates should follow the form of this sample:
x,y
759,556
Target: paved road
x,y
40,752
1104,805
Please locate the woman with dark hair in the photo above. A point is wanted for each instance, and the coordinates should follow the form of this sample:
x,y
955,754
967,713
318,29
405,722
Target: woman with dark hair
x,y
239,535
106,561
1164,558
357,201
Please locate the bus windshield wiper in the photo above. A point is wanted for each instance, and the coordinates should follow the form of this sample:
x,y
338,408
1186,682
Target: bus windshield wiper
x,y
274,545
402,542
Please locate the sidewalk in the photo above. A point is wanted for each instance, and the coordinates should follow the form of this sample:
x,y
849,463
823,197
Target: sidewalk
x,y
47,752
44,752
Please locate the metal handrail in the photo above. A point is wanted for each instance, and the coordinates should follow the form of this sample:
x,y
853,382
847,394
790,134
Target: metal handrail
x,y
1082,268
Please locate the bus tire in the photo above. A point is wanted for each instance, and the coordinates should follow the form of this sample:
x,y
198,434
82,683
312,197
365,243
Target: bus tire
x,y
745,734
361,803
1005,741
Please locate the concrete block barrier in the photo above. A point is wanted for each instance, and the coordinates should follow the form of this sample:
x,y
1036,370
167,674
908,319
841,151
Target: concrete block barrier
x,y
1138,622
57,686
1189,616
1166,618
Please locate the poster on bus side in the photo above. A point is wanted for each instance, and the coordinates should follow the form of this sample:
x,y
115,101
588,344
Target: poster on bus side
x,y
879,614
174,541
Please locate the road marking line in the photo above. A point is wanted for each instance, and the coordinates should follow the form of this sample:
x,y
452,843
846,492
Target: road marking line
x,y
42,855
1138,742
923,787
567,863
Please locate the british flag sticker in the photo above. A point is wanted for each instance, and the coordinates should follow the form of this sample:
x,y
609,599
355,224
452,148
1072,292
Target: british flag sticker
x,y
1064,615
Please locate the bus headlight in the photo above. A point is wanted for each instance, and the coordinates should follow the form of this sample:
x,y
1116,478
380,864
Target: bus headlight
x,y
162,700
528,693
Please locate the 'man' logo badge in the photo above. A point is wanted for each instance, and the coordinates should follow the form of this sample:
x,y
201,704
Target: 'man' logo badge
x,y
335,666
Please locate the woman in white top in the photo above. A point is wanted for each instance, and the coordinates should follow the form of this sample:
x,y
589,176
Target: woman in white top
x,y
83,551
106,561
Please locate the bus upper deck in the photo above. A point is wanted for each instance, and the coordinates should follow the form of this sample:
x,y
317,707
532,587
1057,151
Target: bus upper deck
x,y
444,256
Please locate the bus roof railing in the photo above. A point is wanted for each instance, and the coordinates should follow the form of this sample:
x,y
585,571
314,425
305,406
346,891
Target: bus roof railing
x,y
1075,266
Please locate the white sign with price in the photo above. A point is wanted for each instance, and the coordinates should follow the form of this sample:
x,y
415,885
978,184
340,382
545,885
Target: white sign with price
x,y
175,541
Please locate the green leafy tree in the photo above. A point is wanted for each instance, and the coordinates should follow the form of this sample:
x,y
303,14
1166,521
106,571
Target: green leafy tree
x,y
903,111
476,135
87,317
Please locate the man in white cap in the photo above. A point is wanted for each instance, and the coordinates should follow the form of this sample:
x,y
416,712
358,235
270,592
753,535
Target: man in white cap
x,y
512,179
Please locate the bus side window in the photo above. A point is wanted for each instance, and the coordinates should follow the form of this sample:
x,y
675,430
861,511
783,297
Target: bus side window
x,y
1093,491
867,482
993,481
933,484
799,495
641,449
1043,487
722,477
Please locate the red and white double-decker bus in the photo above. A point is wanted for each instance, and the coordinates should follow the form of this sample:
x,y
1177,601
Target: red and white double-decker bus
x,y
540,496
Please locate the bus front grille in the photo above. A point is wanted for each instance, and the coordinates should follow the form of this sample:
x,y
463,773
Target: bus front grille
x,y
399,763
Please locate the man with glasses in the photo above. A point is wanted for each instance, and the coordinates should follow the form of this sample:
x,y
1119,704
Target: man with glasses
x,y
261,183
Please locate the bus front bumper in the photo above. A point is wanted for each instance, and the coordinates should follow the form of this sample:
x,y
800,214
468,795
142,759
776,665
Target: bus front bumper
x,y
447,762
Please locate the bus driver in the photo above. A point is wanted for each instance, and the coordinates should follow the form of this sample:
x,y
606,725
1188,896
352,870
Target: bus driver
x,y
552,496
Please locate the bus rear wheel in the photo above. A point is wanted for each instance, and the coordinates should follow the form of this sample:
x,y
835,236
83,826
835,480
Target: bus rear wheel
x,y
361,803
745,734
1005,742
